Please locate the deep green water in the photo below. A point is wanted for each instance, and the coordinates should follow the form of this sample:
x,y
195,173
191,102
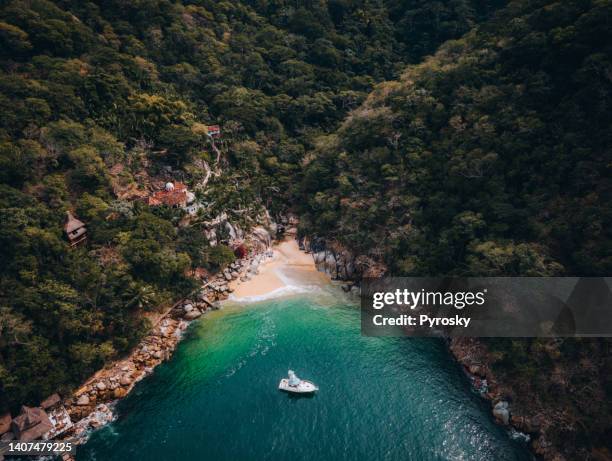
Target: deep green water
x,y
379,398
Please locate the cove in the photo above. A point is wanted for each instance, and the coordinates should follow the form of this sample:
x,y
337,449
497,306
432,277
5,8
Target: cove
x,y
379,398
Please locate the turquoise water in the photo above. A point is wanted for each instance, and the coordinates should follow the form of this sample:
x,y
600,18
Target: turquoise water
x,y
379,398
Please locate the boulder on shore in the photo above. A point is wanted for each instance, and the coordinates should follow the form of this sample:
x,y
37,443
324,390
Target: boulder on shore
x,y
477,370
501,412
120,392
319,257
191,315
262,236
83,400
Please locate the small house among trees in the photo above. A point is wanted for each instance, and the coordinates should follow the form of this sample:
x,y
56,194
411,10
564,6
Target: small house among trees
x,y
75,230
46,421
214,131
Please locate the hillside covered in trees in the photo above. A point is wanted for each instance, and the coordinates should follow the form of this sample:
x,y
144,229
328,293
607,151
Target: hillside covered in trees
x,y
101,99
493,157
489,157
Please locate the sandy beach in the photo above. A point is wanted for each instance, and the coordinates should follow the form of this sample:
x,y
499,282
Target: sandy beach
x,y
288,270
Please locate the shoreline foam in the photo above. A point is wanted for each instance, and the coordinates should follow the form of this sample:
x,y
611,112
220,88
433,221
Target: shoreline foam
x,y
289,271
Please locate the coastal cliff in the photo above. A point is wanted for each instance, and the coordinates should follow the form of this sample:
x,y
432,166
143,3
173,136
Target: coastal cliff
x,y
552,389
340,263
539,390
468,165
141,141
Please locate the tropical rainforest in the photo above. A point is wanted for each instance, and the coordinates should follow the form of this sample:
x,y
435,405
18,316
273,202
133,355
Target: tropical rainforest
x,y
461,137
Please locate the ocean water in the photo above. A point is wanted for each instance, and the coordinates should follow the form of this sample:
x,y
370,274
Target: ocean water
x,y
379,398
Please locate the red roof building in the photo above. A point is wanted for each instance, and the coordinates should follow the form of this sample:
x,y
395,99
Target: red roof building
x,y
214,131
174,195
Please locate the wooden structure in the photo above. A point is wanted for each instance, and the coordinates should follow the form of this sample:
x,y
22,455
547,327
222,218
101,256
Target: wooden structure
x,y
31,424
75,230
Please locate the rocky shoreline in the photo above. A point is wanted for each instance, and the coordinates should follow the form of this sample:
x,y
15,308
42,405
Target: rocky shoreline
x,y
476,361
340,264
92,405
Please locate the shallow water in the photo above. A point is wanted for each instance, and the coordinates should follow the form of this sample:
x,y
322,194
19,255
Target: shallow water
x,y
379,398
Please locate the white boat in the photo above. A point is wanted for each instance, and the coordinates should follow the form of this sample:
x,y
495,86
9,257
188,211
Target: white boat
x,y
296,385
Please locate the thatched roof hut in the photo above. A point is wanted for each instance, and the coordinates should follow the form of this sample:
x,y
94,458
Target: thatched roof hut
x,y
31,424
75,230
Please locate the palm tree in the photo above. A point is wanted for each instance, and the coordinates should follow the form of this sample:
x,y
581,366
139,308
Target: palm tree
x,y
143,297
